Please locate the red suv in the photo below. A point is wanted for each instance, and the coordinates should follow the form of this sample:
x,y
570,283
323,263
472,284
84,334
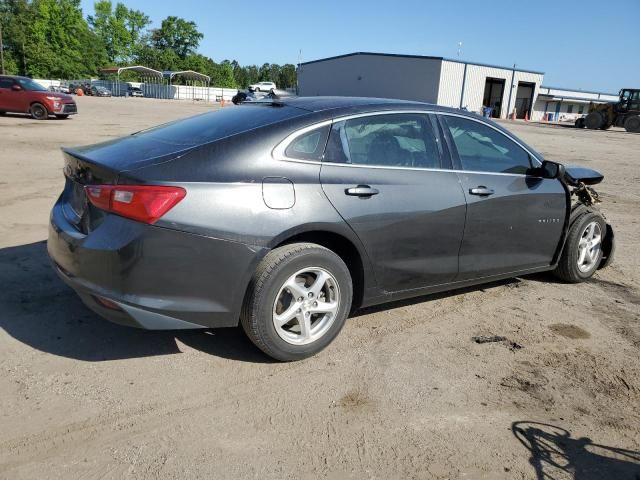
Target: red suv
x,y
23,95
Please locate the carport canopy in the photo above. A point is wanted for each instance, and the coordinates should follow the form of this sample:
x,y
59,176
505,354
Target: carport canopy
x,y
187,75
142,70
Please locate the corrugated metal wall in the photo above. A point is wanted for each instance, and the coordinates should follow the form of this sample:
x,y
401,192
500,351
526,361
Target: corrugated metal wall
x,y
564,92
372,76
452,77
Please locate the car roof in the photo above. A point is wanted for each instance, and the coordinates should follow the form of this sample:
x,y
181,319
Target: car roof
x,y
321,108
335,104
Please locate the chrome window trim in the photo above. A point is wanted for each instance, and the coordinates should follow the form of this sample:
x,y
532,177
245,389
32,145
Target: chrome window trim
x,y
278,151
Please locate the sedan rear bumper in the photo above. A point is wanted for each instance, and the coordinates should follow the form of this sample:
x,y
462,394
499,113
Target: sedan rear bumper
x,y
152,277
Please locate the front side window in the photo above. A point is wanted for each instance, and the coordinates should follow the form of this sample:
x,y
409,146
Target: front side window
x,y
29,84
6,83
392,140
484,149
635,101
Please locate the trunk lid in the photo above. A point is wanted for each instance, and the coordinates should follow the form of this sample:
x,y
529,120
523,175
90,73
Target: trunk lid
x,y
78,173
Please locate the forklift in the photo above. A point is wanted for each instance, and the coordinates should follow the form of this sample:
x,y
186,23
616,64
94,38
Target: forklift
x,y
625,113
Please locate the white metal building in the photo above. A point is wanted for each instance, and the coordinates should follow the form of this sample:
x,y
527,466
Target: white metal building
x,y
567,104
448,82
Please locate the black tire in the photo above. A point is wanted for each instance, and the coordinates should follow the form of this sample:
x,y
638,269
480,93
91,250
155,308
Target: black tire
x,y
632,124
580,123
594,121
567,268
272,273
39,111
62,117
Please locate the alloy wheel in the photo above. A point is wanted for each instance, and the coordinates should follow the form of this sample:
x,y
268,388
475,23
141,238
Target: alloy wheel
x,y
589,247
306,306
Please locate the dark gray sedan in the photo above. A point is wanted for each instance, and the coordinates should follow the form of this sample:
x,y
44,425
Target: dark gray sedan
x,y
286,215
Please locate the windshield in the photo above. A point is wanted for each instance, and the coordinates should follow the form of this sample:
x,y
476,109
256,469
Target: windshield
x,y
29,84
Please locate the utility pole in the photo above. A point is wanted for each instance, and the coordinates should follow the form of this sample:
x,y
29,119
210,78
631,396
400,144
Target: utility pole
x,y
1,50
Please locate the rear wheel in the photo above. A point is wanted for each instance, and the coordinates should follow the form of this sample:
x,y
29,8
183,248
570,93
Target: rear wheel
x,y
39,111
594,121
583,248
632,124
297,302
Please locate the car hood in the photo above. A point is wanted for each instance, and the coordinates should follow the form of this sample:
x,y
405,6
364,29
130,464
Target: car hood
x,y
61,96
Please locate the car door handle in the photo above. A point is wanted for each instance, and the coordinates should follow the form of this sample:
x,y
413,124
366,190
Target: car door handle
x,y
362,191
481,190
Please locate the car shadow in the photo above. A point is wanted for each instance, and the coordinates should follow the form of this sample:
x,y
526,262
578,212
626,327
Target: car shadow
x,y
555,454
38,309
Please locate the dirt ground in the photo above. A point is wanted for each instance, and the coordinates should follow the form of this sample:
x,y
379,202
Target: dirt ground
x,y
402,393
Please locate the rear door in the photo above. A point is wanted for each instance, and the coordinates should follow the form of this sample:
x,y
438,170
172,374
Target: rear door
x,y
514,221
385,175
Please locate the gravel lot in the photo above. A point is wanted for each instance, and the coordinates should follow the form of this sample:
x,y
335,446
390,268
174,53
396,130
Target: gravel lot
x,y
403,392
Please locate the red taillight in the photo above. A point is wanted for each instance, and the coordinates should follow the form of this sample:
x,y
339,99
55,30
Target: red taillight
x,y
144,203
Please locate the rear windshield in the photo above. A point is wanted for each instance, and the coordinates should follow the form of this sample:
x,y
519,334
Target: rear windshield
x,y
213,126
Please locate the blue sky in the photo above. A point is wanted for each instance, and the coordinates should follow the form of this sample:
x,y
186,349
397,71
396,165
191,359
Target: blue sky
x,y
586,44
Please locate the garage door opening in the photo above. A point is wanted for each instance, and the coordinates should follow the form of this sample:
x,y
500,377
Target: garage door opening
x,y
524,99
493,93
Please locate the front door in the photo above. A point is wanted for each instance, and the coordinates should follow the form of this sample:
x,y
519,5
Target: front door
x,y
514,221
384,175
10,100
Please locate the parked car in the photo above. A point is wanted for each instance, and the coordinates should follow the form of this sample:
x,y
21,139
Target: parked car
x,y
263,86
98,91
245,96
62,88
135,92
84,87
287,215
23,95
249,96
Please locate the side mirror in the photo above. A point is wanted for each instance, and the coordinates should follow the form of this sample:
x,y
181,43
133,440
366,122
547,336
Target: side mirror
x,y
16,88
550,169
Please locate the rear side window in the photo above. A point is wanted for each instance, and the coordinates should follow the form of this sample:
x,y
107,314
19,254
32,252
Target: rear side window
x,y
391,140
223,123
484,149
308,146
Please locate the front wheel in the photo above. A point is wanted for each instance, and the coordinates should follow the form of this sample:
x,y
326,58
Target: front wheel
x,y
297,302
632,124
582,252
38,111
594,121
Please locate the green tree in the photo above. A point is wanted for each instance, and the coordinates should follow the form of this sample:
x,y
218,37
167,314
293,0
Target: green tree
x,y
119,29
58,41
287,77
177,34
